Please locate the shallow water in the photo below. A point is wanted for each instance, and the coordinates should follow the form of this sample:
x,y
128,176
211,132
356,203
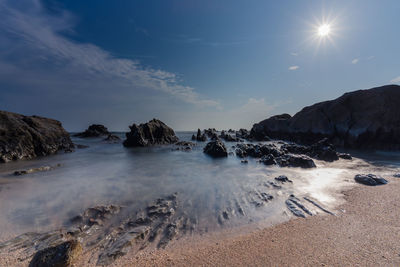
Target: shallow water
x,y
111,174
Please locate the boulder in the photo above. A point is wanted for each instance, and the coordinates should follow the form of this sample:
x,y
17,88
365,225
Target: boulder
x,y
94,130
370,179
64,254
359,119
26,137
215,149
200,137
154,132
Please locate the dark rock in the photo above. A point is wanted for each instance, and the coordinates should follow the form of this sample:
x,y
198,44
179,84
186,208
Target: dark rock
x,y
242,133
397,175
216,149
283,179
193,137
268,160
27,137
301,161
228,137
344,156
359,119
64,254
200,137
155,132
210,132
112,138
240,153
370,179
244,161
94,130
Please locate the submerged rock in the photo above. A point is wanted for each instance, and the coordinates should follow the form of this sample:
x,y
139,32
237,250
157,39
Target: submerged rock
x,y
345,156
112,138
216,149
94,130
154,132
61,255
27,137
283,179
33,170
397,175
370,179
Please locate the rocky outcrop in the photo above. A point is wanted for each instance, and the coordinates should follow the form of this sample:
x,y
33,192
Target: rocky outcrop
x,y
26,137
112,138
199,137
370,179
154,132
216,149
94,130
359,119
61,255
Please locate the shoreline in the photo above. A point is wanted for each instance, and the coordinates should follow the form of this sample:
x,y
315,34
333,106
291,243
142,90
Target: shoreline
x,y
364,232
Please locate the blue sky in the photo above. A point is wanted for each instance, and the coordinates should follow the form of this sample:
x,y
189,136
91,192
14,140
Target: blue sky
x,y
222,64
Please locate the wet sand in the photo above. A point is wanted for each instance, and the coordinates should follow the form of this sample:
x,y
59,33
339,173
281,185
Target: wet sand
x,y
365,232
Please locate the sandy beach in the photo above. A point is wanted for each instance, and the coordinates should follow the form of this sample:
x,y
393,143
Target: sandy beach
x,y
365,232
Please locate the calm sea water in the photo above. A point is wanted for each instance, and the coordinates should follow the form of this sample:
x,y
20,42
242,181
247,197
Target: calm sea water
x,y
111,174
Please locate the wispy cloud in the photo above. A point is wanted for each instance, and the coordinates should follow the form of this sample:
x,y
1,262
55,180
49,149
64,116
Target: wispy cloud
x,y
370,57
395,80
355,61
294,54
294,67
38,37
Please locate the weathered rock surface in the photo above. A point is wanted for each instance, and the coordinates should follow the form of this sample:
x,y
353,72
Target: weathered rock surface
x,y
26,137
94,130
359,119
216,149
154,132
199,137
370,179
63,255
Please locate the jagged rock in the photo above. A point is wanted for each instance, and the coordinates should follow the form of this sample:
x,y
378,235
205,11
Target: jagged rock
x,y
112,138
321,150
200,137
370,179
242,133
210,132
228,137
96,215
283,179
185,145
216,149
397,175
27,137
155,132
245,161
61,255
301,161
94,130
359,119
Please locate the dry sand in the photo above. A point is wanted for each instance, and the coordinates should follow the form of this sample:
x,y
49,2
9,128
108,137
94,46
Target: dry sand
x,y
365,232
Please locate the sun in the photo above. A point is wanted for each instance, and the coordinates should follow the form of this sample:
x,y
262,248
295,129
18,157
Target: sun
x,y
324,30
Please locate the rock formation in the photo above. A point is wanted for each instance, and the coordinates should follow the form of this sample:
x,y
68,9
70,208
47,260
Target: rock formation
x,y
154,132
359,119
216,149
26,137
94,130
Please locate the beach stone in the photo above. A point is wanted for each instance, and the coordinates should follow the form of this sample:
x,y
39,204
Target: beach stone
x,y
94,130
216,149
345,156
27,137
154,132
397,175
63,255
301,161
370,179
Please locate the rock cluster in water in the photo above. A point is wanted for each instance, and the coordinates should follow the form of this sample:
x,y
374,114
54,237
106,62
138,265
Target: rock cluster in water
x,y
154,132
216,149
359,119
26,137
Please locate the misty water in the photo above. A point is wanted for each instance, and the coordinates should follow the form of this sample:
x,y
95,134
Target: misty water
x,y
107,173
